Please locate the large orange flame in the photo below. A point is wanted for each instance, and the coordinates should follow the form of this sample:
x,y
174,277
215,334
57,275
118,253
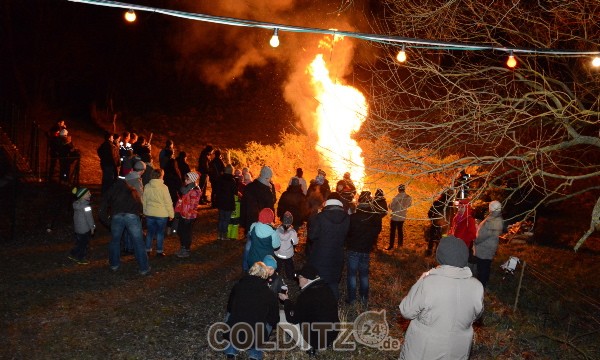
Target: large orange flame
x,y
341,111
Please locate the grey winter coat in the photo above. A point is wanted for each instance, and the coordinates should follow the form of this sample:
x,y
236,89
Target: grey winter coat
x,y
442,306
488,234
83,218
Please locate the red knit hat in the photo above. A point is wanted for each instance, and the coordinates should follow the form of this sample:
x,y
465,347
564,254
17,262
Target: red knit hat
x,y
266,216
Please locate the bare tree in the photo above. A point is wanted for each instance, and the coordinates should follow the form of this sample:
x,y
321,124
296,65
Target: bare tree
x,y
532,130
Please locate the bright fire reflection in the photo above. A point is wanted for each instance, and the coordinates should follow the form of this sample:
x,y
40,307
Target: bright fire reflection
x,y
341,111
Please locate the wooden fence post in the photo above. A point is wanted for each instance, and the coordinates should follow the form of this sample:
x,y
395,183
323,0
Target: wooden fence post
x,y
519,286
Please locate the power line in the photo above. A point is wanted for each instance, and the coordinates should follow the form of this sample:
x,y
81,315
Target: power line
x,y
383,39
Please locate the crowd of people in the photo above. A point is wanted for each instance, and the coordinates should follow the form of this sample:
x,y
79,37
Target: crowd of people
x,y
142,203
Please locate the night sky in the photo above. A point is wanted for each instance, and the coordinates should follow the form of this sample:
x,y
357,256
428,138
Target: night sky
x,y
67,55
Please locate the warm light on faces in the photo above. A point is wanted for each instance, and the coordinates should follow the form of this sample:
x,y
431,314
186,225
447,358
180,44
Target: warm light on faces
x,y
130,16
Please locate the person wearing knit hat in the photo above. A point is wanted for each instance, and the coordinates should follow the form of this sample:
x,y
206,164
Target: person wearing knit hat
x,y
193,176
288,238
261,240
258,195
487,240
84,225
79,192
365,226
274,281
315,304
189,198
452,297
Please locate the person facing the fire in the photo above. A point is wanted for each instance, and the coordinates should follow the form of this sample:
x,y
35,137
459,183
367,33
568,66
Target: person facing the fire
x,y
442,306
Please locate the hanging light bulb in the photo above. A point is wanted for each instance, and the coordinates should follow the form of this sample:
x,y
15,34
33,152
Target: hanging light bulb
x,y
130,15
511,62
596,61
401,55
274,39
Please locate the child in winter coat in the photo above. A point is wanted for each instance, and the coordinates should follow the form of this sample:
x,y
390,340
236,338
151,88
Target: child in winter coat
x,y
262,239
83,225
288,238
186,208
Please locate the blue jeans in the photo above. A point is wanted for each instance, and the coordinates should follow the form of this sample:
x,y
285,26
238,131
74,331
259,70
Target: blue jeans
x,y
224,217
155,226
358,262
253,353
131,224
245,265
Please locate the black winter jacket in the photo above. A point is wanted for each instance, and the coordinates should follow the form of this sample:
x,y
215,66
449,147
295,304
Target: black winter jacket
x,y
365,226
257,196
226,189
251,301
327,232
315,304
120,198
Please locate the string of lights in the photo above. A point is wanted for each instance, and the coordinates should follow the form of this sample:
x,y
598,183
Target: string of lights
x,y
384,39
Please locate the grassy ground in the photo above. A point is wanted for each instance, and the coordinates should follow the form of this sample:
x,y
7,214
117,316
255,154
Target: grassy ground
x,y
51,308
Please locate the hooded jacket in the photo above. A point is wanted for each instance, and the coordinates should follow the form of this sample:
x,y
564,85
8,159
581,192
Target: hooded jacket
x,y
156,200
264,240
442,306
327,232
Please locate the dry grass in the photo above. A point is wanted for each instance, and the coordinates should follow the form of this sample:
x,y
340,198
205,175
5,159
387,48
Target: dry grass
x,y
53,309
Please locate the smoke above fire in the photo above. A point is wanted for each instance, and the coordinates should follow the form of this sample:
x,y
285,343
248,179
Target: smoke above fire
x,y
220,54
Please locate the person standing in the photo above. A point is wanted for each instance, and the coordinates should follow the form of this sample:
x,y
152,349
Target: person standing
x,y
437,216
259,194
109,161
399,207
226,189
166,153
327,232
84,225
288,238
442,306
262,239
301,180
186,207
203,165
294,201
158,208
215,170
125,205
182,164
365,226
486,243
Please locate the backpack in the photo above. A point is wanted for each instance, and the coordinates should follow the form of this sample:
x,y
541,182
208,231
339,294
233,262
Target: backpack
x,y
187,204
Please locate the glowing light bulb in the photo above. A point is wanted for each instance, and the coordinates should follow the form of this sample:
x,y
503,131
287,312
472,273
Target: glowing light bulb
x,y
401,57
511,62
130,16
274,39
596,61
